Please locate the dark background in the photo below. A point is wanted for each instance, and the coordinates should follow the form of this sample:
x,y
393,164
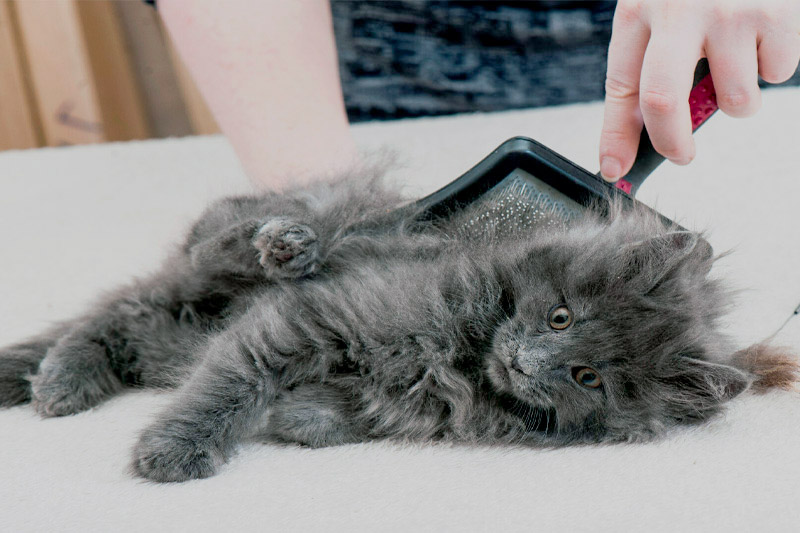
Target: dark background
x,y
411,58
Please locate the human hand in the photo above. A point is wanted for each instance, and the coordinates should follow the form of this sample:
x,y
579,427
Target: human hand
x,y
655,45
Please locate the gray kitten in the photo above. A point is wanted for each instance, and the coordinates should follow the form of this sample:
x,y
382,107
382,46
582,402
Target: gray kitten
x,y
327,316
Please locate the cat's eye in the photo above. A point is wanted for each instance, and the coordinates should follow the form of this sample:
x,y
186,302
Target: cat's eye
x,y
586,377
560,317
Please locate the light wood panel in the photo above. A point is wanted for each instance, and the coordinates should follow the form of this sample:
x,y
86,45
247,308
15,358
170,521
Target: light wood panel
x,y
150,58
118,93
63,84
80,72
18,121
83,83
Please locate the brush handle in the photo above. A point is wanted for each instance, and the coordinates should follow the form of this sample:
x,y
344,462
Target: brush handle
x,y
702,104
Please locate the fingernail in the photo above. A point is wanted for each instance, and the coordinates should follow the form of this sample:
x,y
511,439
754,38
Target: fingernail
x,y
610,168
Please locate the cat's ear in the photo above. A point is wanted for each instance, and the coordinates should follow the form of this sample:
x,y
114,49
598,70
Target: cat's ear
x,y
698,388
646,263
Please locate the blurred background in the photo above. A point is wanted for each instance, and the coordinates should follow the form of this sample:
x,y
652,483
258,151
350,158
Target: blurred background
x,y
78,72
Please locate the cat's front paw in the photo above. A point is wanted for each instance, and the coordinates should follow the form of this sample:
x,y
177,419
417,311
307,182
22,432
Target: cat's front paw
x,y
167,453
287,249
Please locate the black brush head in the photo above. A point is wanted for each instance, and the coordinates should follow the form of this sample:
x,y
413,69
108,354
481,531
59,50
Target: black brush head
x,y
523,184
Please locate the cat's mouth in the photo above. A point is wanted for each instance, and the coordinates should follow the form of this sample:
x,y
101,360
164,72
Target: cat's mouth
x,y
537,419
512,380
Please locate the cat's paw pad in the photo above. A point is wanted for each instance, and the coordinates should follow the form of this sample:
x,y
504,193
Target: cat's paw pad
x,y
287,249
166,454
71,383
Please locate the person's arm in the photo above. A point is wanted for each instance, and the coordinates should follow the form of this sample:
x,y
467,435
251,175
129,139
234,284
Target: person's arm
x,y
651,58
268,70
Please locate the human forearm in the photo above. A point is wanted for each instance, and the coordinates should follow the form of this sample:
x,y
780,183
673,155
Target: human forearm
x,y
268,70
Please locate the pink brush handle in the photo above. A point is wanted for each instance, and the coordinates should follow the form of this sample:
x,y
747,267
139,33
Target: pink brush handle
x,y
702,101
702,104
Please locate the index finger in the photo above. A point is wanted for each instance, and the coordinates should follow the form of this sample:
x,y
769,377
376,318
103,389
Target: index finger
x,y
622,121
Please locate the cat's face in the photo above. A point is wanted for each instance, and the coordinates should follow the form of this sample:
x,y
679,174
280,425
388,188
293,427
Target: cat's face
x,y
613,341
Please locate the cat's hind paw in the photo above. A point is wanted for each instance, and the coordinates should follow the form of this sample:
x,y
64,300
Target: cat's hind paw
x,y
165,454
72,379
287,249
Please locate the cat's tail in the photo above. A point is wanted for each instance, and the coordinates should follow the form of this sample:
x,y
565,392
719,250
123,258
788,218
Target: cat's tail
x,y
772,367
18,363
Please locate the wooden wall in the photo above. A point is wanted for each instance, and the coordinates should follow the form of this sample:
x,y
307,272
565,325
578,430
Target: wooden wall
x,y
75,72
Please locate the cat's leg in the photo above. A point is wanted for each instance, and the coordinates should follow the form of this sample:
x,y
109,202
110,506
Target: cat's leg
x,y
314,415
229,251
279,342
275,248
18,363
139,338
215,410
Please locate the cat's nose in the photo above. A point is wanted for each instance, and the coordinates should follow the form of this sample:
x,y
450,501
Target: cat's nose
x,y
529,361
517,365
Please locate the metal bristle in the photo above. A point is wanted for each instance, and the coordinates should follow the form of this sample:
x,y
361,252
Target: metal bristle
x,y
517,204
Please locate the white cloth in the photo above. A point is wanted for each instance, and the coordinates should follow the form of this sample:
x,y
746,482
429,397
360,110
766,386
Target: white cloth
x,y
75,221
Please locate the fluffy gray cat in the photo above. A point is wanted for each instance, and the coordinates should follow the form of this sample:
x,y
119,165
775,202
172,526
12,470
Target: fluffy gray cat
x,y
327,316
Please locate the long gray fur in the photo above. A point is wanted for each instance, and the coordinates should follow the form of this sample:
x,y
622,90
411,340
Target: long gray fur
x,y
324,317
